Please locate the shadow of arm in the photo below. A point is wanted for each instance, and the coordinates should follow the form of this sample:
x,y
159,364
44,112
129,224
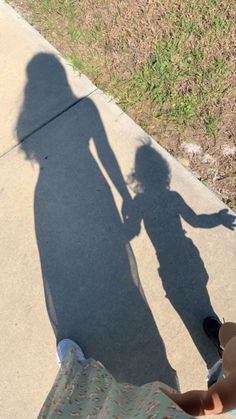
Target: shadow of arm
x,y
205,220
108,159
132,223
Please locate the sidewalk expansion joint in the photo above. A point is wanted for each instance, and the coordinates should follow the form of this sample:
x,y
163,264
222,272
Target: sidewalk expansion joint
x,y
53,118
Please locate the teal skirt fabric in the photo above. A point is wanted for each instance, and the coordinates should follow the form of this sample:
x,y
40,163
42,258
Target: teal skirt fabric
x,y
87,390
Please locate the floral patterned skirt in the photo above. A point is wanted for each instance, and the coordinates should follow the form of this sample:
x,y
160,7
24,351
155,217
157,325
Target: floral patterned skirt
x,y
87,390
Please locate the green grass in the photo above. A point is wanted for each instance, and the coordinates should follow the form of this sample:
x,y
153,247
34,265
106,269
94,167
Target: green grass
x,y
183,85
80,66
180,86
75,34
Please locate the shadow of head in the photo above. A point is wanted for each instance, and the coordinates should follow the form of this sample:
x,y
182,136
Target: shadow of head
x,y
151,170
46,93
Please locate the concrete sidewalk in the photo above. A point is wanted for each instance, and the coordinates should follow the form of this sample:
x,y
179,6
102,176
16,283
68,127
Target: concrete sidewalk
x,y
132,293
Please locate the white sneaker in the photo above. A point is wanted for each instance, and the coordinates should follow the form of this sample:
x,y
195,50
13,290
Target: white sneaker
x,y
62,348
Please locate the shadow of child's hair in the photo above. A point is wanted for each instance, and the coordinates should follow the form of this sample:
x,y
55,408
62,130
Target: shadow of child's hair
x,y
150,171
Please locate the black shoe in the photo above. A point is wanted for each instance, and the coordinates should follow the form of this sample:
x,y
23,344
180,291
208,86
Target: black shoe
x,y
211,326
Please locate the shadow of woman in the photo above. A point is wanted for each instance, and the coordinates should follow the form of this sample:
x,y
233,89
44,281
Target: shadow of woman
x,y
182,271
88,268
